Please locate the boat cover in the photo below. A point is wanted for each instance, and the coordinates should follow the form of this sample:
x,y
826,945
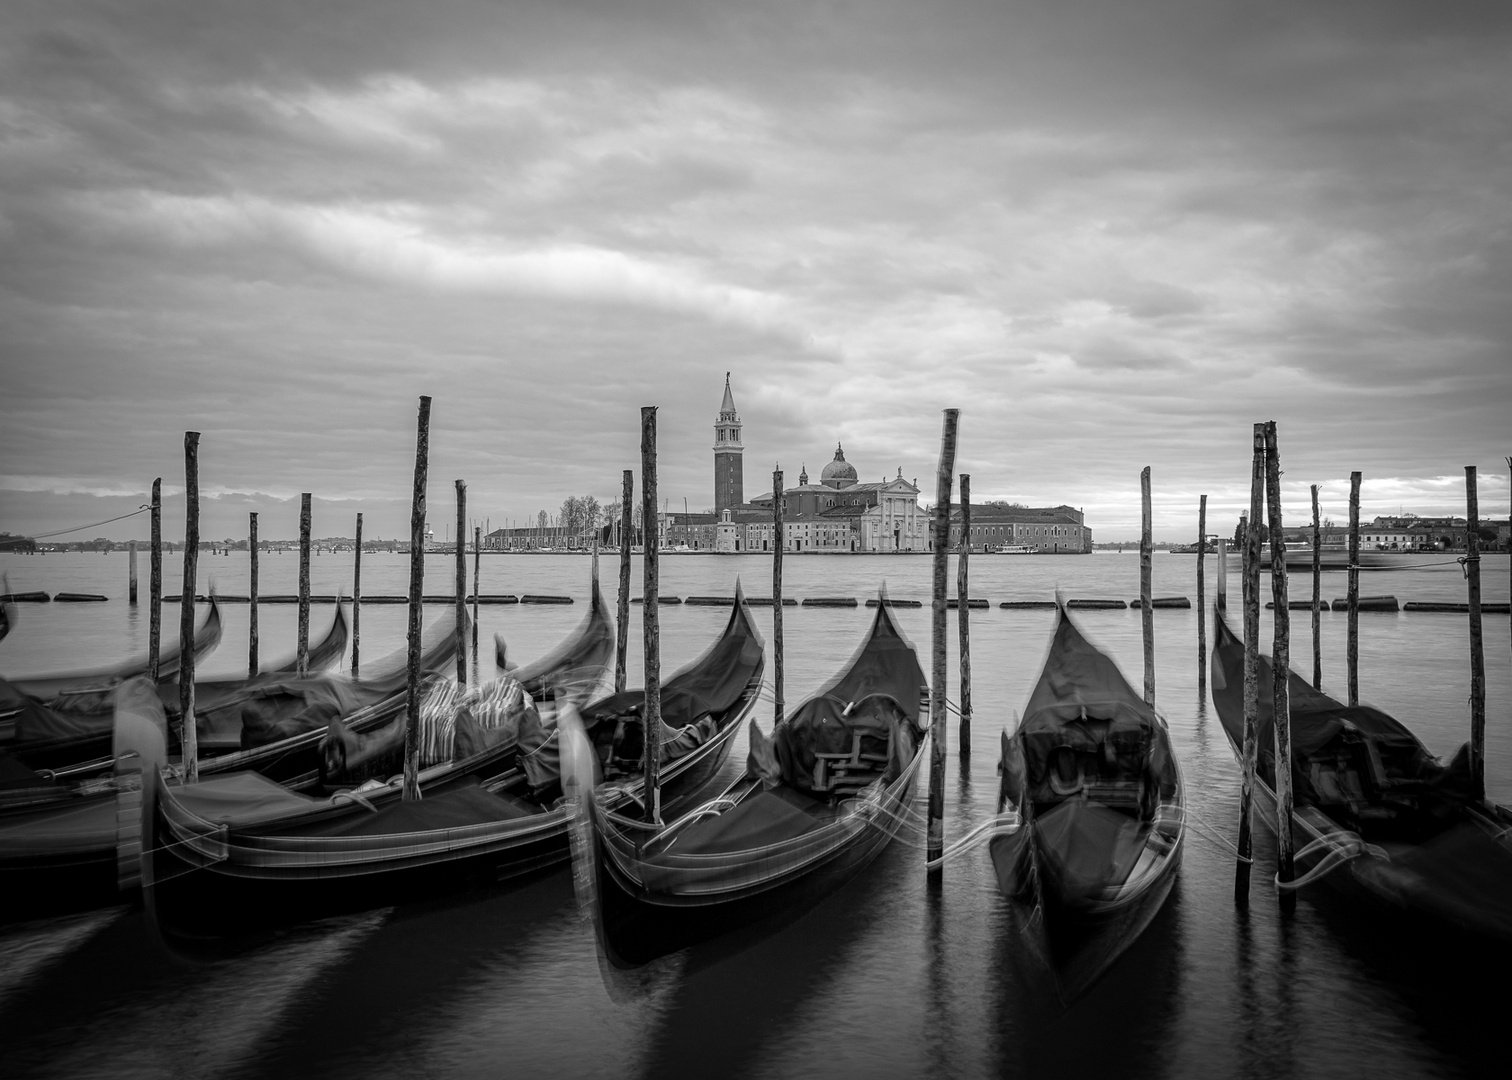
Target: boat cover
x,y
73,828
766,817
1089,848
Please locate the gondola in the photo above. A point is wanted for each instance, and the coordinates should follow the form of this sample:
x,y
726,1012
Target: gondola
x,y
1093,778
1374,813
237,851
815,804
57,689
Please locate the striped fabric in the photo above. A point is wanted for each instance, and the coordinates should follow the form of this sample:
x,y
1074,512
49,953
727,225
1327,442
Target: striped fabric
x,y
495,706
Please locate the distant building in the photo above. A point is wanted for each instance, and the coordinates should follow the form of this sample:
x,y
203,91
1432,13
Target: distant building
x,y
1051,529
729,455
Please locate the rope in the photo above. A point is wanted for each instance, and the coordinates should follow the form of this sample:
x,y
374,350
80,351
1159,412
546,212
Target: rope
x,y
1412,566
1004,824
81,528
1190,817
1347,847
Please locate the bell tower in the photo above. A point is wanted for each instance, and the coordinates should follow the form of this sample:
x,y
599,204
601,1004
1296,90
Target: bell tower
x,y
729,472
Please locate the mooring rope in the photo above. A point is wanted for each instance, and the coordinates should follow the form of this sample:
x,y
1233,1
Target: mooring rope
x,y
1189,816
1005,824
1344,848
80,528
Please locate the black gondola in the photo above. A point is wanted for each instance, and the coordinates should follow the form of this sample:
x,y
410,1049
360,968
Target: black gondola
x,y
1097,791
235,851
1375,813
813,807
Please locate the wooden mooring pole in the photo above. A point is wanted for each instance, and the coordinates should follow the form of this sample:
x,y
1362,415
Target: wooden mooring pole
x,y
190,736
1146,590
1317,593
1251,590
1477,644
1201,598
253,664
131,574
155,586
651,714
461,597
302,657
1222,584
622,612
1280,670
935,838
477,578
416,591
778,540
357,598
1352,642
963,595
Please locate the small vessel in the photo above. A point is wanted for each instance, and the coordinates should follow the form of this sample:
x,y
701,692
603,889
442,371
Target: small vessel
x,y
1093,777
1012,549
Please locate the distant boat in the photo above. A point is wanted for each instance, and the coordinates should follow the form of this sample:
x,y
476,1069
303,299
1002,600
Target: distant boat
x,y
1011,549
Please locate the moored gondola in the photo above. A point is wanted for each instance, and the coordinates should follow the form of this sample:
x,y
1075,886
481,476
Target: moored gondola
x,y
236,851
815,804
1376,816
1094,781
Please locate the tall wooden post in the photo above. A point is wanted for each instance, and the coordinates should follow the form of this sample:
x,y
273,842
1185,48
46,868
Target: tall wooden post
x,y
1146,592
963,595
1222,589
416,592
302,657
461,598
190,736
1352,644
253,665
1251,664
357,597
155,586
1280,669
1477,645
1317,593
131,575
778,539
1201,598
622,613
478,577
651,714
935,839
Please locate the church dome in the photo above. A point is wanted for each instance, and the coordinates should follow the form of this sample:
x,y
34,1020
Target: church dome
x,y
838,473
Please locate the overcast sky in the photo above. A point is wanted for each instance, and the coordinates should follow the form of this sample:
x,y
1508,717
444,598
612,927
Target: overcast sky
x,y
1113,234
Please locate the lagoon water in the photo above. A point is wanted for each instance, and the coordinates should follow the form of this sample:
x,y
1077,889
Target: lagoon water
x,y
883,979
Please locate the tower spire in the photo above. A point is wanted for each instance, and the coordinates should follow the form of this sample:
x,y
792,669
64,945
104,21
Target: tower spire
x,y
729,483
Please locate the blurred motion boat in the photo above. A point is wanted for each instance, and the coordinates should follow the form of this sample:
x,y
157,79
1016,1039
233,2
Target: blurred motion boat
x,y
815,804
1094,780
1375,814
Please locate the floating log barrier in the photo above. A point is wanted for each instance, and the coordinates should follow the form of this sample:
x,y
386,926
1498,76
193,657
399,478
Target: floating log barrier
x,y
873,602
659,600
1026,604
322,598
493,598
767,601
531,598
709,601
830,601
1296,605
934,840
1087,605
79,598
1163,602
954,603
1369,603
25,598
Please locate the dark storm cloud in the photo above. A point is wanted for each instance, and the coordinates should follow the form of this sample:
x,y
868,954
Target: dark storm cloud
x,y
1115,234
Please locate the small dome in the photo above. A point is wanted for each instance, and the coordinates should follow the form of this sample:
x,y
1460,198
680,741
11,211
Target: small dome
x,y
838,473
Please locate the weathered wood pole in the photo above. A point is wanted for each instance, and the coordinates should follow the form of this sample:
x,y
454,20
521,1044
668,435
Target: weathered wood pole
x,y
461,598
155,585
1251,592
963,594
778,539
1201,598
302,657
190,737
253,663
416,587
651,714
1352,642
1280,669
1477,645
477,578
357,597
1317,593
935,839
622,612
1146,592
1222,583
131,574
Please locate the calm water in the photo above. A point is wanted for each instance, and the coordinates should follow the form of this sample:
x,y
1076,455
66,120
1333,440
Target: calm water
x,y
883,979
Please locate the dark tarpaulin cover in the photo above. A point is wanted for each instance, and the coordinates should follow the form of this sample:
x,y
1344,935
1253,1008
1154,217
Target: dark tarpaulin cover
x,y
453,808
1088,848
765,817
